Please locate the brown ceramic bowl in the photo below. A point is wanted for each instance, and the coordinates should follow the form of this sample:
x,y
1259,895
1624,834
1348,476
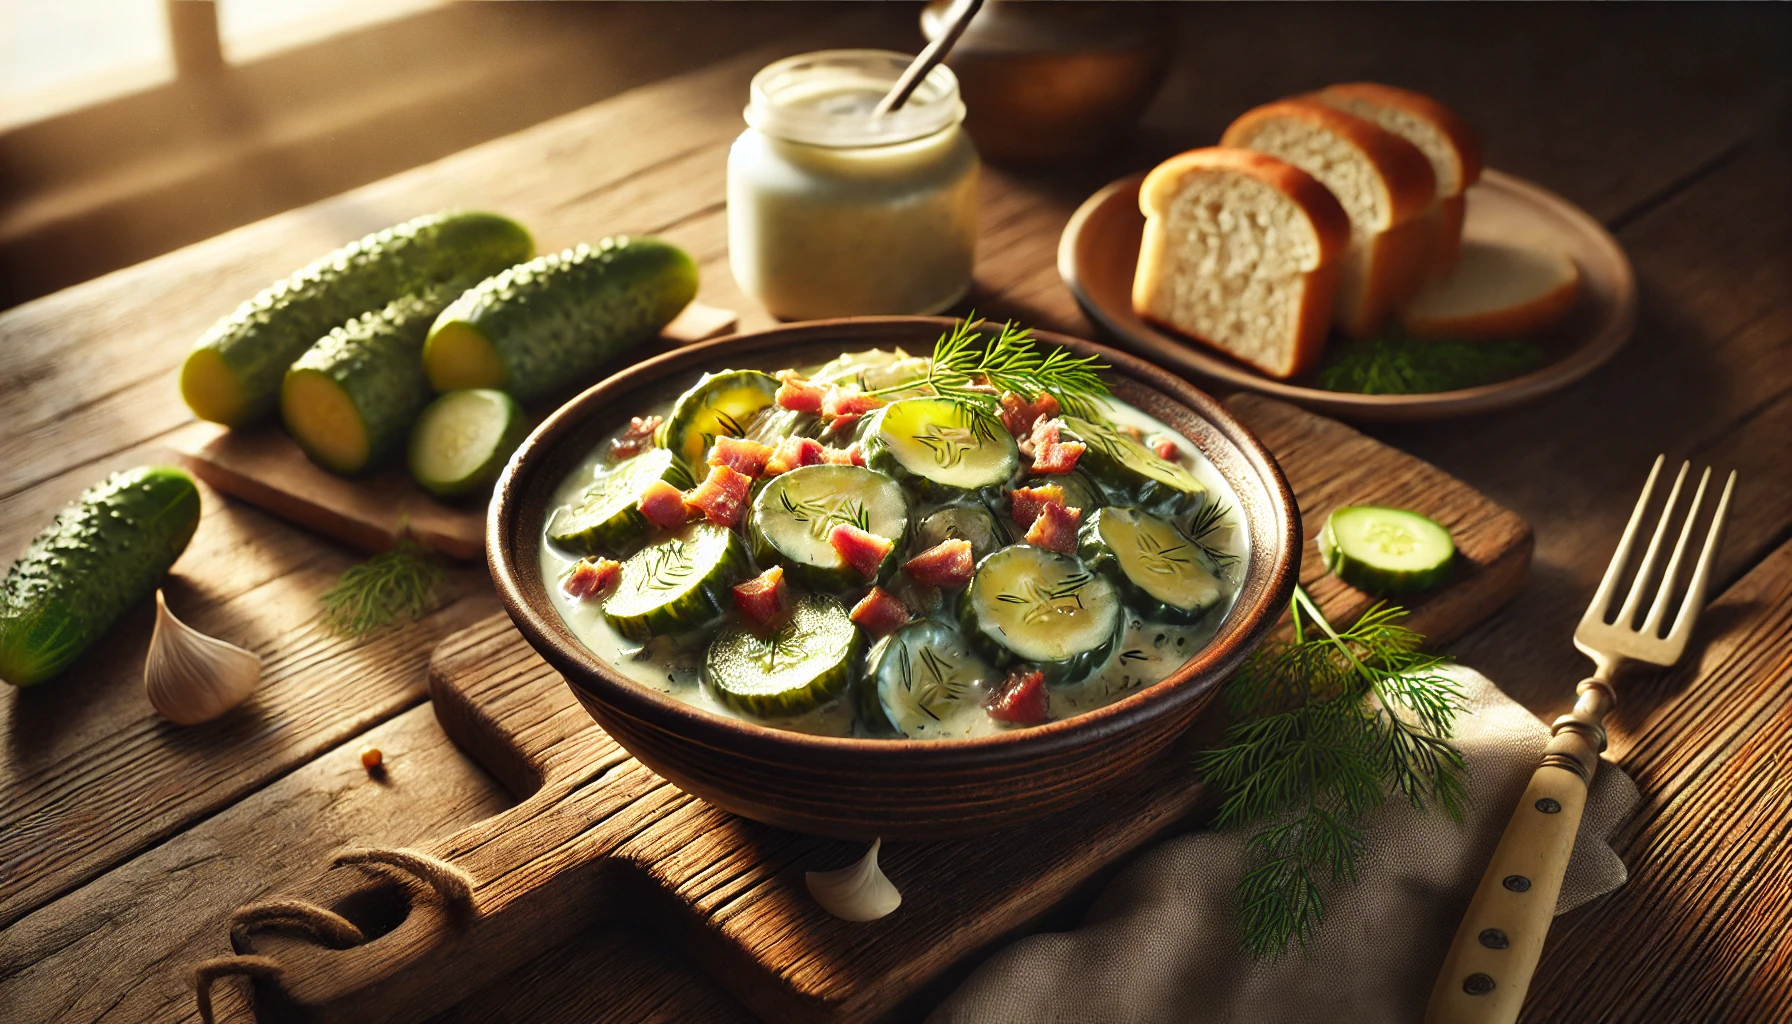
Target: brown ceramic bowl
x,y
865,788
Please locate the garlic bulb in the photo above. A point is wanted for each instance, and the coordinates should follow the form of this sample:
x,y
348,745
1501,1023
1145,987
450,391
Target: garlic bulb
x,y
191,677
859,892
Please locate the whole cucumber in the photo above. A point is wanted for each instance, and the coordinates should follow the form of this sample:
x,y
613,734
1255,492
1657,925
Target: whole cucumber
x,y
350,400
551,323
105,552
233,374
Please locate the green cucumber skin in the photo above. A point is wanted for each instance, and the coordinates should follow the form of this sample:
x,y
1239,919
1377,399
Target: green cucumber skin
x,y
702,605
1072,670
377,358
838,678
621,534
557,318
105,552
1125,486
480,483
1099,557
1376,581
265,334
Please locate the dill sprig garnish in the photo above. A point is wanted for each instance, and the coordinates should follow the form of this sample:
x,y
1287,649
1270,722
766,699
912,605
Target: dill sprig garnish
x,y
1323,727
973,372
1202,527
1398,364
397,584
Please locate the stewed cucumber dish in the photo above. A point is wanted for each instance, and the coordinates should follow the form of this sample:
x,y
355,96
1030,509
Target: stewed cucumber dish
x,y
896,546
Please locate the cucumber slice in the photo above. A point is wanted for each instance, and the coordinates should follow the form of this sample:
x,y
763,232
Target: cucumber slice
x,y
463,439
775,423
1161,573
808,662
1079,491
925,682
677,584
720,404
1038,606
794,513
940,447
962,522
1386,551
608,519
1133,474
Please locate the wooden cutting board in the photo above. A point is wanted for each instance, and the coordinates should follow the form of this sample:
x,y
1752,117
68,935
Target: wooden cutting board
x,y
599,837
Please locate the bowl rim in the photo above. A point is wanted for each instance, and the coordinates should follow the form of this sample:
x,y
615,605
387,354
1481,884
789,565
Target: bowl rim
x,y
542,626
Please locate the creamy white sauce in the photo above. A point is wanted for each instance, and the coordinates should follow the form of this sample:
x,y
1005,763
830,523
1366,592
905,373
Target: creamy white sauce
x,y
1146,654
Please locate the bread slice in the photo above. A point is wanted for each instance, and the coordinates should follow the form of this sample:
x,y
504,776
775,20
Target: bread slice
x,y
1495,291
1241,252
1383,182
1444,138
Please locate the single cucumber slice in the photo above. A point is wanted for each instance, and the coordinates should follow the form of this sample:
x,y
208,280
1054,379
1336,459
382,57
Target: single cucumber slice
x,y
608,519
350,400
1133,474
1162,574
721,404
463,439
233,375
677,584
1386,551
551,323
794,514
925,682
974,523
941,447
1038,606
808,662
105,552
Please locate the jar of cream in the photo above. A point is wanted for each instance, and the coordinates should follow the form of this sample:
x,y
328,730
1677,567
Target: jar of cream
x,y
833,211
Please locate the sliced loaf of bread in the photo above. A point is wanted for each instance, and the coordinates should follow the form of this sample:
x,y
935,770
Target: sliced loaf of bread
x,y
1241,252
1383,182
1445,139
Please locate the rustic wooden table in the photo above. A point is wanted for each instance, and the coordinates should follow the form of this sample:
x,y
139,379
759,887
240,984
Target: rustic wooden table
x,y
125,842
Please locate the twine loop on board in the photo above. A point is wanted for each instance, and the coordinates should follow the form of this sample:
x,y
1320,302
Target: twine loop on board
x,y
453,884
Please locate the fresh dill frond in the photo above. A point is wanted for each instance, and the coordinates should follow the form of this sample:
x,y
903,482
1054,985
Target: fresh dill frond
x,y
1324,727
397,584
1399,364
973,371
1202,527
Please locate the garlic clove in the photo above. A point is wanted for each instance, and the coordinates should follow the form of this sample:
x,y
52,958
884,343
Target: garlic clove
x,y
192,678
858,892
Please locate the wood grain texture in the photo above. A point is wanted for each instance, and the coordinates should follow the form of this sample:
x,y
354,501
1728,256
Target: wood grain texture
x,y
600,838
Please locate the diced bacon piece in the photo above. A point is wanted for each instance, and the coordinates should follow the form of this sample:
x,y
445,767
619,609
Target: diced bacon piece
x,y
636,439
721,496
849,402
840,426
1026,502
851,455
1020,700
1166,449
1019,414
946,564
1055,529
740,455
880,613
1057,458
792,453
1045,433
860,549
799,395
591,577
761,599
663,505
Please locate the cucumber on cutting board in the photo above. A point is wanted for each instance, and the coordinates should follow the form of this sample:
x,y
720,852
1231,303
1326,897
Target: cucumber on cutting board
x,y
350,400
1043,608
805,663
551,322
1386,551
463,439
233,374
104,553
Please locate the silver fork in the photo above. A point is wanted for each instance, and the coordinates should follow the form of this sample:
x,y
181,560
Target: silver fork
x,y
1489,968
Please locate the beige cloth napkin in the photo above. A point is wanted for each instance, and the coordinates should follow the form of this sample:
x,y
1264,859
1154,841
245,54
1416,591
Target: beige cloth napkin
x,y
1161,942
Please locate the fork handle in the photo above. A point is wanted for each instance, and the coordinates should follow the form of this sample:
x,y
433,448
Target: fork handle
x,y
1489,967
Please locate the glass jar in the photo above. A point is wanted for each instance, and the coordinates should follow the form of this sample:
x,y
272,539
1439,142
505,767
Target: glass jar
x,y
835,212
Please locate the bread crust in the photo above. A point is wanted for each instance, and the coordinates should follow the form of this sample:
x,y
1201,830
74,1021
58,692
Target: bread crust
x,y
1404,170
1539,313
1453,127
1330,223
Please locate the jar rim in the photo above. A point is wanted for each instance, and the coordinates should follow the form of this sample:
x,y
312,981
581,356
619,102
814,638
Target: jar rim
x,y
775,98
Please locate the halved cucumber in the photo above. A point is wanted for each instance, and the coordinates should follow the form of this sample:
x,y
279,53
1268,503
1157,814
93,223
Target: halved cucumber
x,y
794,514
1038,606
1133,473
1162,573
1386,551
607,519
462,440
721,404
808,662
677,584
941,447
924,682
974,523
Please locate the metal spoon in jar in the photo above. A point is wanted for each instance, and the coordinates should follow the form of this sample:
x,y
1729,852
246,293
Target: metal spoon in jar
x,y
927,59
